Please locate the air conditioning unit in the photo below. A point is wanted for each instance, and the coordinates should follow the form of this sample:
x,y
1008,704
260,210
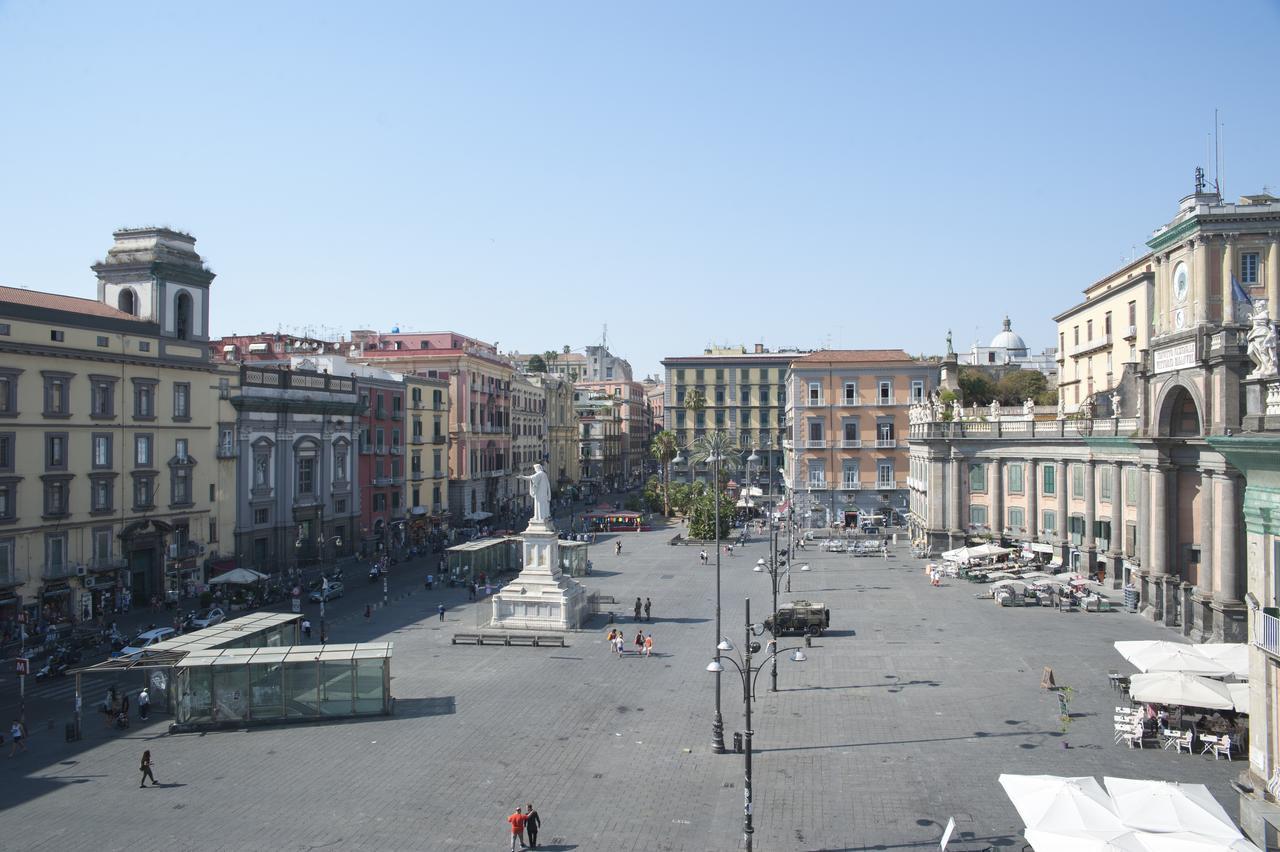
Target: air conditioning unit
x,y
90,581
81,570
1133,331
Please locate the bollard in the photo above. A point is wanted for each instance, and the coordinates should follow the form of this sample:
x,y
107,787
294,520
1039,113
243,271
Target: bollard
x,y
737,742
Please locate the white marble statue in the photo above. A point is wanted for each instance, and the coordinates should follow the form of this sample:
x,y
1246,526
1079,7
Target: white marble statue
x,y
540,491
994,410
957,410
1137,409
1086,408
1115,403
1262,342
1029,408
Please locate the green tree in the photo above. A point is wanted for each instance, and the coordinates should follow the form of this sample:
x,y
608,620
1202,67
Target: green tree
x,y
664,449
946,398
1019,385
976,388
550,358
702,517
537,364
682,494
1049,397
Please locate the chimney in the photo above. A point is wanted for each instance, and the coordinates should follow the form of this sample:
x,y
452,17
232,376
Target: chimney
x,y
759,348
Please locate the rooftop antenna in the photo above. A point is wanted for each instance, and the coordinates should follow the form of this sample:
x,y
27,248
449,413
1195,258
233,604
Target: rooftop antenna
x,y
1222,155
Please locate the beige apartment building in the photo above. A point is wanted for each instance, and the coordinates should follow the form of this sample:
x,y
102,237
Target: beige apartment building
x,y
846,445
107,413
563,457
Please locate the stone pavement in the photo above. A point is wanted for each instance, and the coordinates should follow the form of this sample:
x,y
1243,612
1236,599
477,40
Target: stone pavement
x,y
903,715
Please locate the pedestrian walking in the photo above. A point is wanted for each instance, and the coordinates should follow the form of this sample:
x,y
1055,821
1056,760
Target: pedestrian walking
x,y
368,611
617,548
17,735
471,590
431,579
146,771
124,710
440,609
144,704
638,607
532,822
613,649
517,829
648,645
703,556
648,605
639,642
306,627
619,645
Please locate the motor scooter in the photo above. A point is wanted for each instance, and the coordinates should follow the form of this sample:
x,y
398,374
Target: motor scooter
x,y
374,573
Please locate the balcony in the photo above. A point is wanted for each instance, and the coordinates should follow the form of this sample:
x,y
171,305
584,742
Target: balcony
x,y
226,451
850,485
886,484
811,444
381,481
397,450
437,439
184,550
851,445
816,484
1266,633
1088,346
59,572
437,474
886,443
417,475
1131,333
811,402
417,440
850,401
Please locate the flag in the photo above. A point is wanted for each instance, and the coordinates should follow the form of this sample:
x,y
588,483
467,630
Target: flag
x,y
1238,293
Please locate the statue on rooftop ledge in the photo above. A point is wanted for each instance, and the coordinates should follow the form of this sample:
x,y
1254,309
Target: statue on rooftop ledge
x,y
1262,342
950,351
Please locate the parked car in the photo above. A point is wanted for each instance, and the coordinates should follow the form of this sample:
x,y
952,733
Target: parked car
x,y
208,618
870,529
335,590
145,640
833,545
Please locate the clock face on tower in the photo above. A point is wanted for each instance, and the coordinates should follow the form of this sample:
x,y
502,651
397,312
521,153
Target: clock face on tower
x,y
1180,282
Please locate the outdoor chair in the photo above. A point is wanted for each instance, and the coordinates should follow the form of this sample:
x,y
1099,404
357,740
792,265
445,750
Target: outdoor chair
x,y
1222,746
1208,743
1135,735
1184,741
1169,738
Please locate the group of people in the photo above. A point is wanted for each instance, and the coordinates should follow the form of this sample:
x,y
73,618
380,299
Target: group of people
x,y
647,608
618,642
524,823
115,707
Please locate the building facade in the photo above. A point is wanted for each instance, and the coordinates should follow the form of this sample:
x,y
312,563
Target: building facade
x,y
1008,349
742,393
107,412
563,459
846,420
600,441
528,435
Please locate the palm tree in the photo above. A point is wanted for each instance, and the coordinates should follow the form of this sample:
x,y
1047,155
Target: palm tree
x,y
664,449
694,402
717,443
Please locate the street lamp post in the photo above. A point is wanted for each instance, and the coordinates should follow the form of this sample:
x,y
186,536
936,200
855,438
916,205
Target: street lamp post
x,y
748,674
774,568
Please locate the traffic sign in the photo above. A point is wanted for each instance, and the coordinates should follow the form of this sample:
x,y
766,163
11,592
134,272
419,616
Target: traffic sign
x,y
24,666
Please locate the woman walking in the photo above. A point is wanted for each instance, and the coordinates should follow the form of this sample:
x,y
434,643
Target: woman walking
x,y
146,771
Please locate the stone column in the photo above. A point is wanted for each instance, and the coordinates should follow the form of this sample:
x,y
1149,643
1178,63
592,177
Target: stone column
x,y
1159,521
1032,485
1089,545
1144,518
1209,555
1273,273
955,526
1200,279
1115,551
1064,543
996,484
1161,309
1228,270
1228,588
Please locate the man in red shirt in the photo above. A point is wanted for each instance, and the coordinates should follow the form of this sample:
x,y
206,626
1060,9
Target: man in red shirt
x,y
517,828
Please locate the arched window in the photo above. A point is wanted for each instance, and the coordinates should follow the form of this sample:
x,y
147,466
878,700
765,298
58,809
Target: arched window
x,y
127,302
182,315
1184,419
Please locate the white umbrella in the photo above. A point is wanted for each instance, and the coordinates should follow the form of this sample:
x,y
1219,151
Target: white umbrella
x,y
1232,655
983,550
1180,688
1002,584
1239,693
1054,841
1001,575
1060,805
239,577
1182,841
1161,656
1166,806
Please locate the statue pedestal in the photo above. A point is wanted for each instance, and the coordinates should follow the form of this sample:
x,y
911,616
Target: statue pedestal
x,y
541,597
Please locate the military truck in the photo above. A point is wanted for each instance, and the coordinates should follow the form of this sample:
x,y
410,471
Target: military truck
x,y
800,617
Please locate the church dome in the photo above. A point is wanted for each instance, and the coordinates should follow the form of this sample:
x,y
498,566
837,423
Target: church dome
x,y
1009,341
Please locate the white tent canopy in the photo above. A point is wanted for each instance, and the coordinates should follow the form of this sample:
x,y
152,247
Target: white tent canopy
x,y
1180,688
238,577
1160,656
1055,804
981,551
1232,655
1169,806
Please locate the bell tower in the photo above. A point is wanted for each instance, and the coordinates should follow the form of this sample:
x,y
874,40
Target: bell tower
x,y
156,275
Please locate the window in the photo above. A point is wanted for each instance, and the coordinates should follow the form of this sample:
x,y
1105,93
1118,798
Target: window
x,y
340,451
917,390
884,434
815,393
144,399
1048,522
100,493
977,516
1106,324
4,329
1075,526
977,478
55,552
1104,484
1017,518
7,441
1130,539
102,545
851,431
1131,486
144,491
102,397
9,393
1133,314
435,462
8,500
815,432
379,502
55,496
181,401
144,346
340,505
306,475
1015,479
213,530
226,442
1077,480
57,336
56,403
180,450
103,341
817,473
182,315
884,475
6,560
180,485
1249,267
142,455
1088,330
1075,335
102,451
885,396
261,516
849,474
850,393
55,455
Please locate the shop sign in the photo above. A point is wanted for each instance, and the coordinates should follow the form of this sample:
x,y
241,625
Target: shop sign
x,y
1174,357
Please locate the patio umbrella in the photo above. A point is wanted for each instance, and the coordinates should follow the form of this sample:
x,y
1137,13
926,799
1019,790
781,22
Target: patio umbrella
x,y
1058,805
1234,656
1015,585
1122,840
1239,693
238,577
1162,656
1180,688
1167,806
1181,841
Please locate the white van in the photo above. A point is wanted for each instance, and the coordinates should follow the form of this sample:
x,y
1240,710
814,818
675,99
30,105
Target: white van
x,y
145,640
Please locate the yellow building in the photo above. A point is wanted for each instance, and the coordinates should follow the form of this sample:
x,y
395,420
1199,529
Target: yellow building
x,y
107,413
563,463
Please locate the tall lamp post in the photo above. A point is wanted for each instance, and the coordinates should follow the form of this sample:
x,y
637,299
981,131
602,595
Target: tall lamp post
x,y
774,569
748,674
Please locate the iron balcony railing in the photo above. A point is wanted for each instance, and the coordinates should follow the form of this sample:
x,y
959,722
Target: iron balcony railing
x,y
1266,633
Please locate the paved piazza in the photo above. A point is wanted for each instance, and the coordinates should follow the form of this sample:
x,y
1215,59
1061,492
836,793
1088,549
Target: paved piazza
x,y
904,715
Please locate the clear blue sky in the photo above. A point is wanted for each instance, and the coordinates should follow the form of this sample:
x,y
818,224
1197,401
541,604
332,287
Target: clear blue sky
x,y
804,174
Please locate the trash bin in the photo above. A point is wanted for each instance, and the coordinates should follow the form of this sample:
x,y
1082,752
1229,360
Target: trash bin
x,y
737,742
71,732
1131,598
